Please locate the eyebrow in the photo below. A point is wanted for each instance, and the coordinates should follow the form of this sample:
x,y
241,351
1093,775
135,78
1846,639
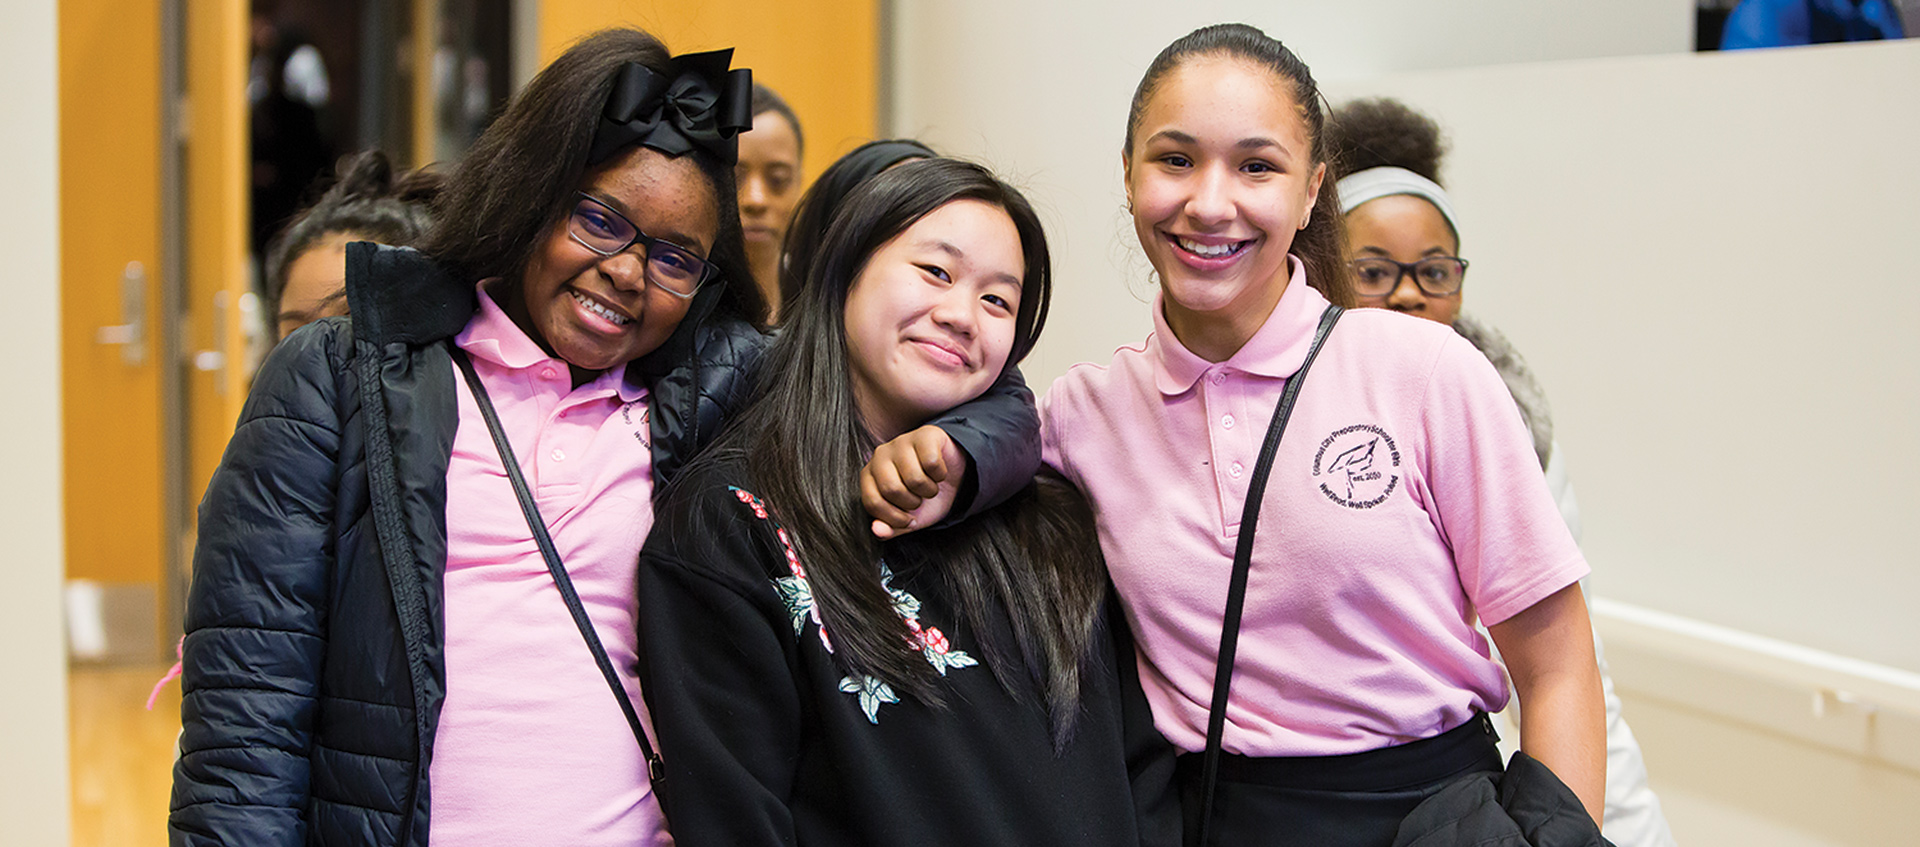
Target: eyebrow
x,y
1376,251
675,237
1256,142
307,315
960,255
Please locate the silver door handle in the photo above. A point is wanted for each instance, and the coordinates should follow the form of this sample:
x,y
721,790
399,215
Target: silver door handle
x,y
131,335
215,360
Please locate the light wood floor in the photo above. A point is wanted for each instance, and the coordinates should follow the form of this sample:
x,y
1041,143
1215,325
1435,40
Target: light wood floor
x,y
121,754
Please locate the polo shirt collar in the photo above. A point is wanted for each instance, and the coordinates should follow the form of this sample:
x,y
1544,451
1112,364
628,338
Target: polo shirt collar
x,y
1277,349
493,336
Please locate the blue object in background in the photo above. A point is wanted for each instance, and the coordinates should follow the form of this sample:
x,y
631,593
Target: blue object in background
x,y
1780,23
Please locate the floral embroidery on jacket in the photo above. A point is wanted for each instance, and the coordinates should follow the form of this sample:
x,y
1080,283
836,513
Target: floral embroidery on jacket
x,y
797,593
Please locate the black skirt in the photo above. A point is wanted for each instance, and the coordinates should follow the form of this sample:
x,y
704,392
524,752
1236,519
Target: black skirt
x,y
1353,800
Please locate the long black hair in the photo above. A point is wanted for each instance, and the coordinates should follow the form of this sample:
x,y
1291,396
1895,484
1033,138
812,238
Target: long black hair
x,y
815,211
803,444
1322,245
518,180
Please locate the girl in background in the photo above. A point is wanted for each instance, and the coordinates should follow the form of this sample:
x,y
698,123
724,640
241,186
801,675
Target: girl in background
x,y
769,178
814,686
306,266
1406,244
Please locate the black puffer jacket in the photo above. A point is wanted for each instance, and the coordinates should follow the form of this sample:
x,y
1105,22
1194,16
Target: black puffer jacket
x,y
314,673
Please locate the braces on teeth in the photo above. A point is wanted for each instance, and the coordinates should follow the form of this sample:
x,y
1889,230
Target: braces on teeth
x,y
600,310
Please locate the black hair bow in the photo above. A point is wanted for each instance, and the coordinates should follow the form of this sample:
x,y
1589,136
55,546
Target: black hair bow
x,y
697,103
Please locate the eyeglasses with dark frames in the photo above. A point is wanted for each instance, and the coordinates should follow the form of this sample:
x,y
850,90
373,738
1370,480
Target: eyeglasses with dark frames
x,y
1438,276
675,269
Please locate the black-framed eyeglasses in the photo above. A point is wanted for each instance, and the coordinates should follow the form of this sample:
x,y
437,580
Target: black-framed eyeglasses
x,y
1438,276
597,227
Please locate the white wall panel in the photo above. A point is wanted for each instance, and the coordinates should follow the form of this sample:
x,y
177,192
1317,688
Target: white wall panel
x,y
1702,257
33,743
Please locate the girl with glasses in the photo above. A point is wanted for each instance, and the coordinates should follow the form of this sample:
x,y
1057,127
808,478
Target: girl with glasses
x,y
962,686
1400,220
411,619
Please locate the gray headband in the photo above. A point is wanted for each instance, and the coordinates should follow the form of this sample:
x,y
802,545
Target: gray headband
x,y
1375,183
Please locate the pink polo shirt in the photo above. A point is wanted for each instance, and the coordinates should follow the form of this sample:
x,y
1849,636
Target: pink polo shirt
x,y
532,748
1405,498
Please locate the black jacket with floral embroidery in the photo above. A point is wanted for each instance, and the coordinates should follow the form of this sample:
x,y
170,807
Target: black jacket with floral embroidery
x,y
767,741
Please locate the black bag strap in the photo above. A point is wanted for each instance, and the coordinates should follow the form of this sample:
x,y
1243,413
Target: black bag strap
x,y
1242,563
656,769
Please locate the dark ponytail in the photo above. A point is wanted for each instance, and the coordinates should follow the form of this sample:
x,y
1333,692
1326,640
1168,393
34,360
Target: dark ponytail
x,y
367,201
1322,245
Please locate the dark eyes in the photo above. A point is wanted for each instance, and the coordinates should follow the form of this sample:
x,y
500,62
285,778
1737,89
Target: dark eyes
x,y
937,272
999,301
595,222
673,259
1181,160
1375,274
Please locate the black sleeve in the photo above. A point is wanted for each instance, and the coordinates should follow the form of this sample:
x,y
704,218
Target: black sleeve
x,y
716,667
999,432
257,609
1150,758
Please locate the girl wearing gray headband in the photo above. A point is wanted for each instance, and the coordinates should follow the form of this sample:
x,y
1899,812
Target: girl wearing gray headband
x,y
1405,237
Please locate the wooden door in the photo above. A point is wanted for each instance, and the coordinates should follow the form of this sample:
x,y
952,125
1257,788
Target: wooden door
x,y
112,328
217,292
823,56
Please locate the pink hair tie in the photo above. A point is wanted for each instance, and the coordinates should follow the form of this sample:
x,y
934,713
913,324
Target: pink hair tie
x,y
173,673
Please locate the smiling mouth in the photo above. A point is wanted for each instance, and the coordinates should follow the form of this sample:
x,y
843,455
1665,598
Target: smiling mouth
x,y
1210,251
594,306
945,353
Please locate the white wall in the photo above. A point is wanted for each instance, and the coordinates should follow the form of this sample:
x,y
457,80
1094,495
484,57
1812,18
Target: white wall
x,y
1701,256
1040,91
33,712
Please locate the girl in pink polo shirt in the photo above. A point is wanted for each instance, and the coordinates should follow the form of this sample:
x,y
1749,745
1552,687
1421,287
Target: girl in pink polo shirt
x,y
1403,502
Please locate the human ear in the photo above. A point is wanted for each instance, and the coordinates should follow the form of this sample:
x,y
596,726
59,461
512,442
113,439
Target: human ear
x,y
1126,178
1313,192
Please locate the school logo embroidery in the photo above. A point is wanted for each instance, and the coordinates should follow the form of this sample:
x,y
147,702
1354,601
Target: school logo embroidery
x,y
645,425
1358,466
